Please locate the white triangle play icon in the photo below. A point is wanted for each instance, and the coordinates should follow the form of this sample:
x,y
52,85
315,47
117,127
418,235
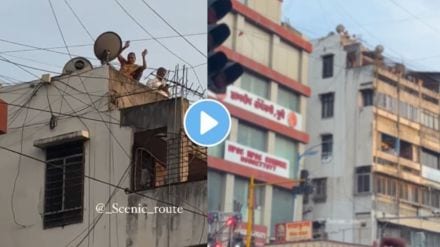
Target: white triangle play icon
x,y
207,123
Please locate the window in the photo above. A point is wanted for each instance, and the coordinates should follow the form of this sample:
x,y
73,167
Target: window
x,y
412,193
288,99
403,190
259,204
391,184
64,185
363,179
425,196
149,172
241,199
255,84
327,102
217,150
406,150
240,196
320,185
430,158
287,149
379,185
327,66
326,146
430,120
251,136
367,97
394,146
408,111
386,102
282,207
388,144
435,198
215,190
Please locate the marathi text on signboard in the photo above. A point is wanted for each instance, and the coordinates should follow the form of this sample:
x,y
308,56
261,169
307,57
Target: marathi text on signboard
x,y
255,159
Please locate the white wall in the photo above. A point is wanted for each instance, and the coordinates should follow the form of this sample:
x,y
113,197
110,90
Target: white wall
x,y
105,159
351,128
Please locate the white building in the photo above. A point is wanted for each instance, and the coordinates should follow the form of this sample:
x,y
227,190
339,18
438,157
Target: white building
x,y
378,169
94,137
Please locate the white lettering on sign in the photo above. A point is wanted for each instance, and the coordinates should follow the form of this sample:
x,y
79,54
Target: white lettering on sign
x,y
263,107
252,158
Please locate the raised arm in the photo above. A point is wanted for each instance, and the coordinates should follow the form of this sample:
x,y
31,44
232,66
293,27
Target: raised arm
x,y
144,62
121,59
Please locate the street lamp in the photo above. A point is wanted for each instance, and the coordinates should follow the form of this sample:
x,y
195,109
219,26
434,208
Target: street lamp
x,y
308,152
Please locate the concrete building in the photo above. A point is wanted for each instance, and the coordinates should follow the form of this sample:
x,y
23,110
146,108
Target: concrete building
x,y
90,140
377,123
268,107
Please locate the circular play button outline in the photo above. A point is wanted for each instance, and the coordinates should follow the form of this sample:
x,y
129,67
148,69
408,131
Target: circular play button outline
x,y
229,122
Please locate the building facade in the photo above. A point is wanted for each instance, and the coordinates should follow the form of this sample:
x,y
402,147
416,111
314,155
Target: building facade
x,y
79,146
377,125
268,107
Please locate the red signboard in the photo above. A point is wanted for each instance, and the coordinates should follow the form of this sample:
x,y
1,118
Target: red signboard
x,y
293,231
259,232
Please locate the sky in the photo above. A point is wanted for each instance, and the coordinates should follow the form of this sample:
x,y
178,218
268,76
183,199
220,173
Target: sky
x,y
31,22
408,29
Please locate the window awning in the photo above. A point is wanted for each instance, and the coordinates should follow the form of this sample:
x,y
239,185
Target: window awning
x,y
63,138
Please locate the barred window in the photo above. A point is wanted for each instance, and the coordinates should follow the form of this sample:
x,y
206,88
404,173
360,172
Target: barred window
x,y
326,146
64,185
367,97
363,179
327,66
320,185
327,104
161,158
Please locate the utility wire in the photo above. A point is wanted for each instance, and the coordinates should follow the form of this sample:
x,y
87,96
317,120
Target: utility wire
x,y
79,20
52,48
14,217
100,181
59,28
426,24
155,39
174,29
62,114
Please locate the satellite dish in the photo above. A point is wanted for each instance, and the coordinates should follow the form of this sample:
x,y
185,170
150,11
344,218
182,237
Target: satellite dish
x,y
107,46
77,64
379,49
340,28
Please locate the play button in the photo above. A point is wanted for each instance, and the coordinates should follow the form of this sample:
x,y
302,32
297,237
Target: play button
x,y
207,122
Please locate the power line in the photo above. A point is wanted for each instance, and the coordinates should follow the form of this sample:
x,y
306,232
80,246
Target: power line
x,y
59,28
76,115
18,65
158,41
52,48
174,29
426,24
127,190
62,114
79,20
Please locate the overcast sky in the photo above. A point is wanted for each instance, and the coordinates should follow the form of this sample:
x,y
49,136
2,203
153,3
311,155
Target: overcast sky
x,y
408,29
31,22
